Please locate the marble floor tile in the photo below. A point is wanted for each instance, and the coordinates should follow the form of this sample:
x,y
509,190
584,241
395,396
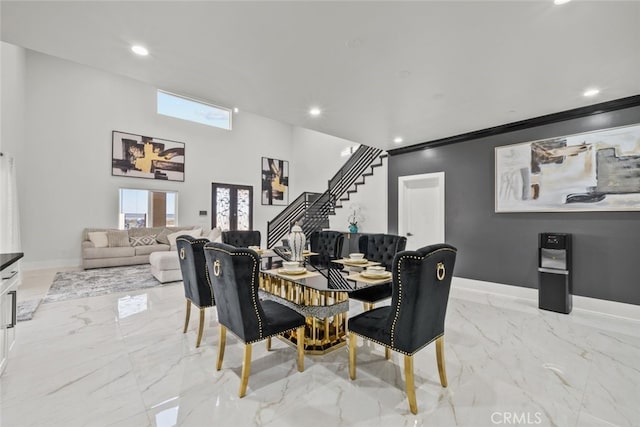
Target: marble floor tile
x,y
122,360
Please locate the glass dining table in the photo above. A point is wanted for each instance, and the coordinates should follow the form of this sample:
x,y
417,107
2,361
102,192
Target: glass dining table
x,y
321,294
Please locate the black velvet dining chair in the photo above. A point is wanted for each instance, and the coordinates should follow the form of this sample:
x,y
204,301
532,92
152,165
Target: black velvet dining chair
x,y
379,248
241,238
234,274
328,245
415,318
197,287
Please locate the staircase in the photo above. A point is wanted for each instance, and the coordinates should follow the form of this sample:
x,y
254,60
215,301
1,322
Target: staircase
x,y
312,210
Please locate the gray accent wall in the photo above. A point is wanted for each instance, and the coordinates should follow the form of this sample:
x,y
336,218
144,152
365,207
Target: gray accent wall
x,y
502,248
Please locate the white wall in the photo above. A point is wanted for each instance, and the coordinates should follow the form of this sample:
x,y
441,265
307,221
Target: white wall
x,y
65,177
316,159
12,110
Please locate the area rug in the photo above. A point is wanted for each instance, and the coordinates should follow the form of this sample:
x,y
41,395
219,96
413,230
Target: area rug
x,y
101,281
25,309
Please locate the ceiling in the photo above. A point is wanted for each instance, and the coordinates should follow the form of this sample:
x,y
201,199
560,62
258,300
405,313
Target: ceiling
x,y
422,70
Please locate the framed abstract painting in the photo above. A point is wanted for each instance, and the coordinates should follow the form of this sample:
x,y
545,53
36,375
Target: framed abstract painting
x,y
139,156
592,171
275,181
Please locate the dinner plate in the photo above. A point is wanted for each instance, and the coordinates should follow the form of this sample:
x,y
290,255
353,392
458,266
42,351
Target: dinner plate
x,y
382,275
356,261
300,270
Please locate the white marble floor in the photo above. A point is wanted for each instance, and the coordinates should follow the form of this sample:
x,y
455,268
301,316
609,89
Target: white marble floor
x,y
122,360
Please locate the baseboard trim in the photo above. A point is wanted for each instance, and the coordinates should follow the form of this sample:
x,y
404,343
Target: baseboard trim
x,y
609,308
54,263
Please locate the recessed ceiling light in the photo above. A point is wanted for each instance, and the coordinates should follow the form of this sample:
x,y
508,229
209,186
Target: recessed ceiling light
x,y
236,110
591,92
139,50
398,140
559,2
315,111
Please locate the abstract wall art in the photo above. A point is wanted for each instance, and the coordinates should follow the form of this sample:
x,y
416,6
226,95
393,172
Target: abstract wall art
x,y
593,171
140,156
275,181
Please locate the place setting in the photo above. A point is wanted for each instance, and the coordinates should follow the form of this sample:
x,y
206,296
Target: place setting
x,y
293,270
357,260
373,274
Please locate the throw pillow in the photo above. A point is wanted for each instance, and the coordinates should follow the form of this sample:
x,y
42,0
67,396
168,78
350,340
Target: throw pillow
x,y
99,239
118,238
149,239
173,236
215,235
162,236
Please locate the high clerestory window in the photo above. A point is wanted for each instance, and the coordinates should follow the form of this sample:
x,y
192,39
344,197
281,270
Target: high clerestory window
x,y
184,108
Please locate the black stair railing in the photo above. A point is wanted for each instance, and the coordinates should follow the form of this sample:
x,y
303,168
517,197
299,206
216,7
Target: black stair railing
x,y
280,226
312,210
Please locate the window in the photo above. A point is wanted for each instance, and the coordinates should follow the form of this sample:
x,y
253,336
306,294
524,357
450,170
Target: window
x,y
232,206
147,208
194,111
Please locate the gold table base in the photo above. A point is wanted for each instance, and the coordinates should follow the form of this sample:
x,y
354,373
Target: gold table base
x,y
325,313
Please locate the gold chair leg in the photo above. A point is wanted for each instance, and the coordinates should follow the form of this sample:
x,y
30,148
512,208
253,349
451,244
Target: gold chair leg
x,y
269,344
411,390
200,328
246,369
387,353
221,343
301,349
186,320
440,356
352,356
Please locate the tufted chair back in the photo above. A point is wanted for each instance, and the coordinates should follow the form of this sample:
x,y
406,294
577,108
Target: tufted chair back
x,y
197,287
234,276
241,238
328,245
381,247
419,296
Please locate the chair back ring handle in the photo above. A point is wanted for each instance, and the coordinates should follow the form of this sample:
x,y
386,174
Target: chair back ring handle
x,y
216,268
182,253
440,271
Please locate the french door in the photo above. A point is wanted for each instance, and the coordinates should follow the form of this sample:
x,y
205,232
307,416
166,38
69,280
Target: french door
x,y
231,206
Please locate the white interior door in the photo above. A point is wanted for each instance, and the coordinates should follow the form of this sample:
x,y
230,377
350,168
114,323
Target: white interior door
x,y
421,209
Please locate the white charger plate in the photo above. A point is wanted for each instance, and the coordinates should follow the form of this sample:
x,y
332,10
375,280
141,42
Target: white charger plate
x,y
299,270
381,275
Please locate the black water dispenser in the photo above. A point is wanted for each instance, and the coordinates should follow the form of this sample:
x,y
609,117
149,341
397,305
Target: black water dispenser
x,y
554,272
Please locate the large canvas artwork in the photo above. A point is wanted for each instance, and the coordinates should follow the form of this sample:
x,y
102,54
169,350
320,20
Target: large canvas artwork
x,y
595,171
147,157
275,181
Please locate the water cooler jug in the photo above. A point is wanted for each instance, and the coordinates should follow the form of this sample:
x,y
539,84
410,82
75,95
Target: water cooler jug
x,y
554,272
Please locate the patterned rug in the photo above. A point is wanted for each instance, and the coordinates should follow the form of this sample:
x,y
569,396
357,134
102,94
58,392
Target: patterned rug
x,y
25,309
92,283
101,281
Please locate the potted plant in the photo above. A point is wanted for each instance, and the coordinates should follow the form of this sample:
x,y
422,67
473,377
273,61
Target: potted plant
x,y
353,219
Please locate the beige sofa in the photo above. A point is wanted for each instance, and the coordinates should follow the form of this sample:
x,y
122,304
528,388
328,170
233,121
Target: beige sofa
x,y
103,247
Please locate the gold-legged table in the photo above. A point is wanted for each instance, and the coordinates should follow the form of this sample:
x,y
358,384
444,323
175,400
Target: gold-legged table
x,y
325,309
